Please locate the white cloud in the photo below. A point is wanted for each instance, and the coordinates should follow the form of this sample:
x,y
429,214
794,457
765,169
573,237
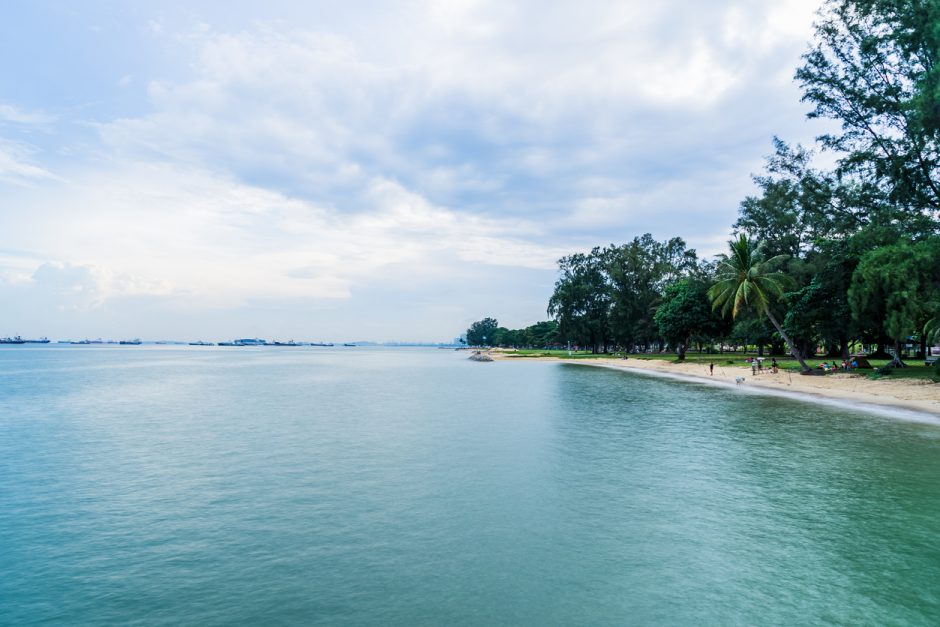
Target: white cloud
x,y
11,114
80,286
162,231
17,166
479,98
313,159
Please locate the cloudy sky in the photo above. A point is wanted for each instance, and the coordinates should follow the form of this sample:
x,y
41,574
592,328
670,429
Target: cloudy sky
x,y
365,170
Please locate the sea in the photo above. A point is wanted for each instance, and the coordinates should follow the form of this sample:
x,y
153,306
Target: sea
x,y
169,485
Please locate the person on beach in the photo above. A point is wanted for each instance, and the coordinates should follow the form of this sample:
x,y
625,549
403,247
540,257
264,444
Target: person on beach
x,y
711,369
773,365
753,366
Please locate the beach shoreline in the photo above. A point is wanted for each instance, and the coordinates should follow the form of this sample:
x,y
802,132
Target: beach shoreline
x,y
906,397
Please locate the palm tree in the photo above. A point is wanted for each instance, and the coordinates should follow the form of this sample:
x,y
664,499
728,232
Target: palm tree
x,y
932,331
745,280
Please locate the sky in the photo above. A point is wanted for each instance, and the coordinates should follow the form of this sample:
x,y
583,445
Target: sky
x,y
366,170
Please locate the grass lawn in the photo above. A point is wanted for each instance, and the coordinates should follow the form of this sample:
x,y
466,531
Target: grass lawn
x,y
915,369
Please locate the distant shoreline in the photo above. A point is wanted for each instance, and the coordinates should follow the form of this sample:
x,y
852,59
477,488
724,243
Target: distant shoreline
x,y
904,398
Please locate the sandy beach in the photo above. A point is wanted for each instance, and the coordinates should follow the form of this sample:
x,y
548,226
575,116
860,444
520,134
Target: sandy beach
x,y
844,389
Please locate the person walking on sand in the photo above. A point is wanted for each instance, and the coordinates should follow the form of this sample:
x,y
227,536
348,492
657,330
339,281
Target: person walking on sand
x,y
711,369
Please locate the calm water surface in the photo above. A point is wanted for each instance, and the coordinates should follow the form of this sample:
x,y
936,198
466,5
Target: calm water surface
x,y
211,486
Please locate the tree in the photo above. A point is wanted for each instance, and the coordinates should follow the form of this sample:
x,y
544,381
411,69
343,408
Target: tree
x,y
901,284
749,328
932,331
798,205
542,334
745,280
685,313
874,69
638,272
481,332
581,300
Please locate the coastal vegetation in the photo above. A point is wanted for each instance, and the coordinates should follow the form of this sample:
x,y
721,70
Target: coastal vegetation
x,y
822,260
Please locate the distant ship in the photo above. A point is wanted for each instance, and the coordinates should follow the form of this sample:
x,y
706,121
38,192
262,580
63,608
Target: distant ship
x,y
229,344
321,343
87,341
348,344
42,340
291,343
12,340
134,342
250,341
201,343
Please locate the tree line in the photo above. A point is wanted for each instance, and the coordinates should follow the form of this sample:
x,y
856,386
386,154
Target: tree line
x,y
487,332
819,257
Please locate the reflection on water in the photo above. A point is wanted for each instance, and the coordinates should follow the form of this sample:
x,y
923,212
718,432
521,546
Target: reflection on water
x,y
208,486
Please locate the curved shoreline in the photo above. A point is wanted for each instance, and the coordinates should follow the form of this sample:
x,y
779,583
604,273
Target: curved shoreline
x,y
910,411
901,398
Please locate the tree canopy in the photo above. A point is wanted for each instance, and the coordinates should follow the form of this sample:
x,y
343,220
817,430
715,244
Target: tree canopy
x,y
481,332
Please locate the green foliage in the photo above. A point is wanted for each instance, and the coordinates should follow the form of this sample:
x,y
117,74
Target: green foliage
x,y
798,205
610,295
638,273
750,329
873,68
581,301
819,312
542,334
898,284
481,333
539,335
686,314
745,280
932,331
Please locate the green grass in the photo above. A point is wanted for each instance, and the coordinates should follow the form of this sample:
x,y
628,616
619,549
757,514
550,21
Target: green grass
x,y
521,353
915,369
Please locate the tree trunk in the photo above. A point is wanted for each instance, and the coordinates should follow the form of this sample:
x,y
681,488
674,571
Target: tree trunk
x,y
786,338
896,362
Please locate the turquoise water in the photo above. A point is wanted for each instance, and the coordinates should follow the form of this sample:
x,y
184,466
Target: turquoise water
x,y
211,486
